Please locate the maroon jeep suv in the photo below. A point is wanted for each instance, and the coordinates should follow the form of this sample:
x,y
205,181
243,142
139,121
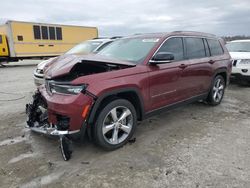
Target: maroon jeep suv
x,y
105,94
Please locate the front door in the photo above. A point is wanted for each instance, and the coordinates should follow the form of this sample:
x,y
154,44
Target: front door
x,y
165,79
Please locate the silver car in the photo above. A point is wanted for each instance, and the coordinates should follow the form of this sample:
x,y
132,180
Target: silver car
x,y
86,47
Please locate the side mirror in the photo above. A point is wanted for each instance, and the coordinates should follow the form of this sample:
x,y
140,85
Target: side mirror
x,y
162,57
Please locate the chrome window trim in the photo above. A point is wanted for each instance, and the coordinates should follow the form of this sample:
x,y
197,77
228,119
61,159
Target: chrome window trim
x,y
182,36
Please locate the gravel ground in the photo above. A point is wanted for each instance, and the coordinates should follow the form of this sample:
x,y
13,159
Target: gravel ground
x,y
192,146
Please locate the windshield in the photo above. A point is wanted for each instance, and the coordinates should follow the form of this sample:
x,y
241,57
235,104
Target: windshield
x,y
238,46
84,48
129,49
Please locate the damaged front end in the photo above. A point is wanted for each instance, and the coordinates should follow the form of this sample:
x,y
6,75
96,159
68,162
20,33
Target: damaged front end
x,y
37,114
37,121
61,107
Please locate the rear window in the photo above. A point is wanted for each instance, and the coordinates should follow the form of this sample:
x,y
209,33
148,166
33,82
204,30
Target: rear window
x,y
215,47
195,48
1,39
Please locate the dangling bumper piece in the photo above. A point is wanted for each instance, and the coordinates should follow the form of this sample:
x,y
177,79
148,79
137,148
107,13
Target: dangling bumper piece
x,y
37,119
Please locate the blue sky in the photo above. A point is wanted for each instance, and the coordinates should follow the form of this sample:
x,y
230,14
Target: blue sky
x,y
116,17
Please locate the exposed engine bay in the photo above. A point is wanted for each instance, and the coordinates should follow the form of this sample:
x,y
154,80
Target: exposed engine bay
x,y
90,67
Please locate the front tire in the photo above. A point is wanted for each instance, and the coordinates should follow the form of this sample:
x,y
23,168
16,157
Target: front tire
x,y
115,124
217,91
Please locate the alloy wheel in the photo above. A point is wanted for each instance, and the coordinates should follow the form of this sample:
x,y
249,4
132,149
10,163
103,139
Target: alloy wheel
x,y
218,90
117,125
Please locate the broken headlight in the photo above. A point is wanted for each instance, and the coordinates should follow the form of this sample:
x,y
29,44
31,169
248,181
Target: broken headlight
x,y
66,89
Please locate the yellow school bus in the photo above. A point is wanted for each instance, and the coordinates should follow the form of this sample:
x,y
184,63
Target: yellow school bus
x,y
23,40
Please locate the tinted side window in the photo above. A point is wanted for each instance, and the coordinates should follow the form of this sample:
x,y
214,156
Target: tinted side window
x,y
37,32
215,47
52,33
206,48
1,39
195,48
175,46
45,32
58,33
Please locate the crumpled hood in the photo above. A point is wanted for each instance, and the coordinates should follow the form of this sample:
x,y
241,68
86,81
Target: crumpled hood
x,y
65,63
240,55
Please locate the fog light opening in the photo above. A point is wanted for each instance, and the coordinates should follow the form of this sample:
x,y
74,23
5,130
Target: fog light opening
x,y
62,122
244,70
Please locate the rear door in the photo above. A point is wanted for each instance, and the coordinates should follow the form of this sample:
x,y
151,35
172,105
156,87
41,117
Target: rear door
x,y
165,79
3,46
197,74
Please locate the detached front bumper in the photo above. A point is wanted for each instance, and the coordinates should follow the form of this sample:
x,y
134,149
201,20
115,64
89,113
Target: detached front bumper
x,y
57,114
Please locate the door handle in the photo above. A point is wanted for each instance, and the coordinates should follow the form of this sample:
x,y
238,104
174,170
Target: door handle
x,y
211,62
182,66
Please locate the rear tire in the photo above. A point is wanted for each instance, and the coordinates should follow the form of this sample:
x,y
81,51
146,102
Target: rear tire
x,y
115,124
217,90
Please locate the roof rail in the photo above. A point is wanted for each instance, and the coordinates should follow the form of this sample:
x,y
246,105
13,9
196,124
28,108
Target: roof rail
x,y
197,32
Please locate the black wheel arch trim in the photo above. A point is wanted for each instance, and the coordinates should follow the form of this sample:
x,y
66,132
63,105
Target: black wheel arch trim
x,y
221,70
99,100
